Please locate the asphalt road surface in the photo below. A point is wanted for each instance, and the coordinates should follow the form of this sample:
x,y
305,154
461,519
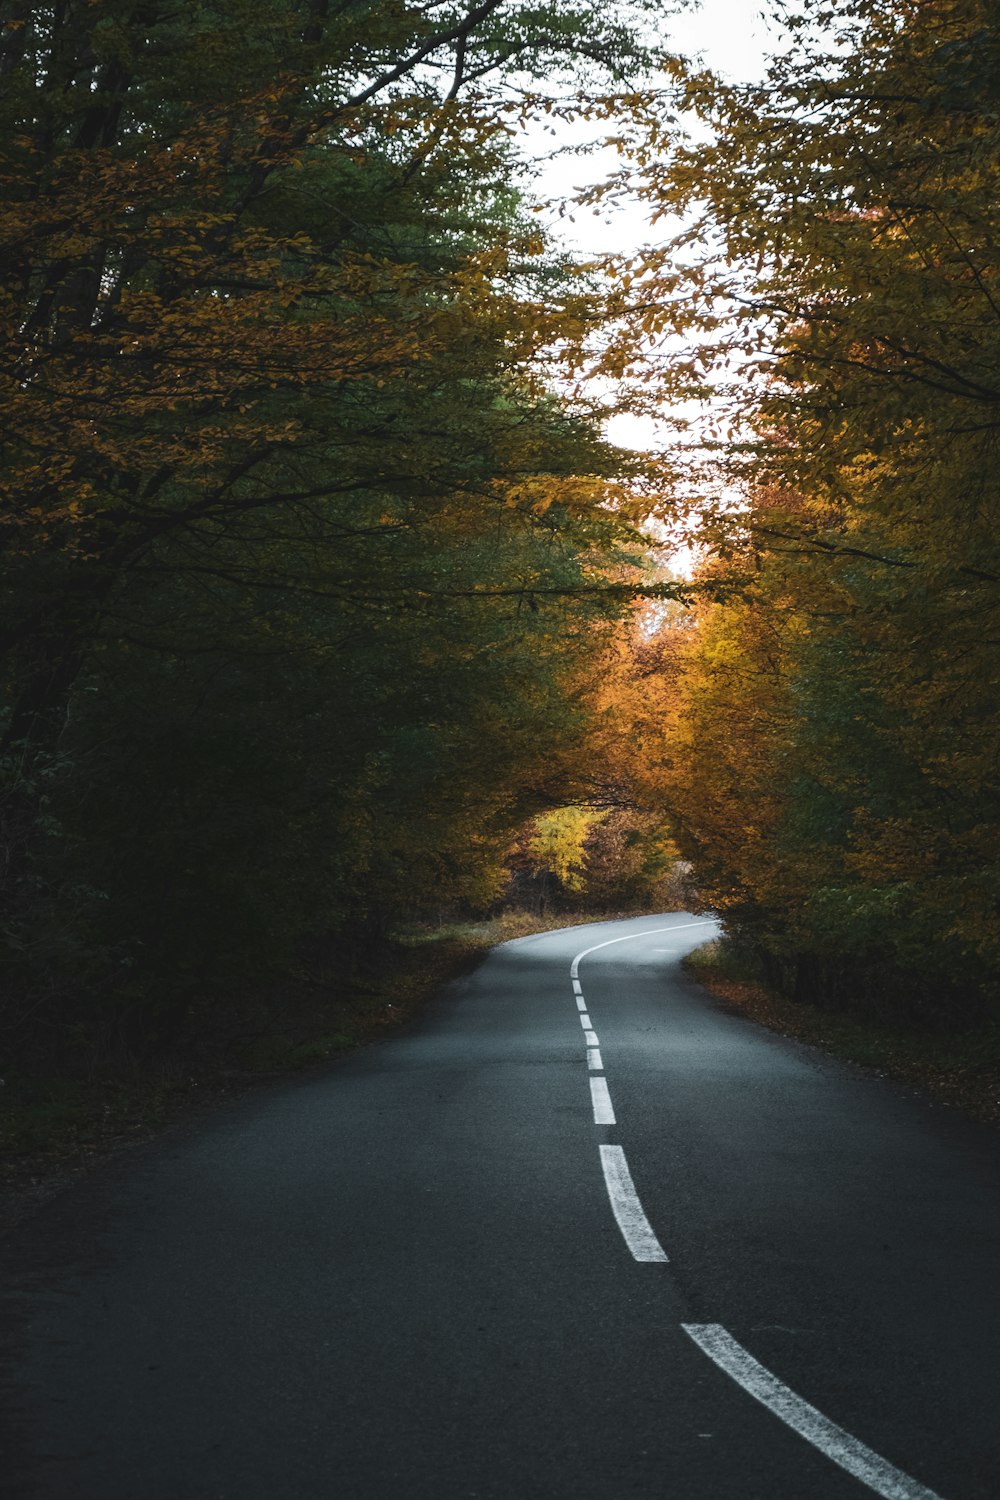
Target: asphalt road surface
x,y
555,1239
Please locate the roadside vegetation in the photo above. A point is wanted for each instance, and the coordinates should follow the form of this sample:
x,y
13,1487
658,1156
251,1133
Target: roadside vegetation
x,y
57,1122
954,1066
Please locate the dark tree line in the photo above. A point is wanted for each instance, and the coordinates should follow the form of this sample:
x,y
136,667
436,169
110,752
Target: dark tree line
x,y
303,560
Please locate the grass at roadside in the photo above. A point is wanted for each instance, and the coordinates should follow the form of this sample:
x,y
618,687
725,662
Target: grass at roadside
x,y
54,1126
961,1068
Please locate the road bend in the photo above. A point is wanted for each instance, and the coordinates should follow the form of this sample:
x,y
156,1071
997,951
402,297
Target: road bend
x,y
578,1231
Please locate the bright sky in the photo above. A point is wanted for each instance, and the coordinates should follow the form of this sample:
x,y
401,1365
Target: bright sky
x,y
731,38
730,35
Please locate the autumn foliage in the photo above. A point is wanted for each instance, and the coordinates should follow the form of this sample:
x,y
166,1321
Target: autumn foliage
x,y
302,551
835,745
319,575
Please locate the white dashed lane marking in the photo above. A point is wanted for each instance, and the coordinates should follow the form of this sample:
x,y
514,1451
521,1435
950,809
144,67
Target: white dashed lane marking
x,y
855,1457
631,937
601,1100
635,1227
847,1451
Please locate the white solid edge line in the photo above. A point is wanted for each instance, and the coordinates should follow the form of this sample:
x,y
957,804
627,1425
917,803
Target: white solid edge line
x,y
574,967
581,1003
601,1100
590,1037
594,1062
847,1451
635,1227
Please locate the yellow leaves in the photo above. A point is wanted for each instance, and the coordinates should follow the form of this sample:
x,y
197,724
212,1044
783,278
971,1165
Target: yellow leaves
x,y
202,313
557,843
483,266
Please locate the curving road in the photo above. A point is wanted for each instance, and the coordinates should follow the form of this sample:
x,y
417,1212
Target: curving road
x,y
578,1232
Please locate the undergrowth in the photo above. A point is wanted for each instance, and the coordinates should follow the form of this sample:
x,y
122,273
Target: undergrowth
x,y
56,1121
958,1066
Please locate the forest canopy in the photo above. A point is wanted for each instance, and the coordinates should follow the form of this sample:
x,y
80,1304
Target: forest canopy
x,y
305,556
834,771
325,596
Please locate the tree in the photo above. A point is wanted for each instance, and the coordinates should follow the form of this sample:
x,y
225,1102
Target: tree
x,y
840,796
300,546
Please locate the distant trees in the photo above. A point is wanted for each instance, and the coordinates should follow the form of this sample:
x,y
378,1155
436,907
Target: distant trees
x,y
612,850
835,744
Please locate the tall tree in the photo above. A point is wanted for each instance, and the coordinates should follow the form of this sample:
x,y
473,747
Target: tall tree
x,y
849,281
290,505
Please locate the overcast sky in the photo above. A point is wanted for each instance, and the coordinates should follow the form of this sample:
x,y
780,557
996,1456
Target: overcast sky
x,y
731,38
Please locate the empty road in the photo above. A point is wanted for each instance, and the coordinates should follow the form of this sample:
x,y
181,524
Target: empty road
x,y
576,1232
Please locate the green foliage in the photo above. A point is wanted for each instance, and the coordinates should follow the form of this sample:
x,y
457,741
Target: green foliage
x,y
302,554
